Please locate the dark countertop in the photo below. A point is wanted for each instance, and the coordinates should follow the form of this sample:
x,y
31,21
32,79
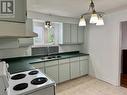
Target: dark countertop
x,y
20,64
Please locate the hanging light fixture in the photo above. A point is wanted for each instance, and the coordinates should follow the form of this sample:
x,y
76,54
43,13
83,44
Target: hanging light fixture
x,y
100,20
95,17
48,25
82,21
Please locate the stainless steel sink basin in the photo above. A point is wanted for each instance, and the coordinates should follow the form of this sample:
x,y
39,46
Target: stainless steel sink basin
x,y
51,57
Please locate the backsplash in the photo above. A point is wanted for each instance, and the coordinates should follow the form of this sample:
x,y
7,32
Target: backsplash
x,y
45,50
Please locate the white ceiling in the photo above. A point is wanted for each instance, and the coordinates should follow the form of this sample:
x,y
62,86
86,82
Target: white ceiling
x,y
74,8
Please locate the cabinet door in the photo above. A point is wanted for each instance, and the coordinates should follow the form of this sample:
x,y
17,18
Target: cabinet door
x,y
66,33
83,67
39,66
20,12
64,73
80,34
45,91
75,72
74,33
52,72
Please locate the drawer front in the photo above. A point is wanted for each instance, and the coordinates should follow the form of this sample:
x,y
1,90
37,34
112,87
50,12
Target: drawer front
x,y
38,65
74,59
64,61
51,63
84,57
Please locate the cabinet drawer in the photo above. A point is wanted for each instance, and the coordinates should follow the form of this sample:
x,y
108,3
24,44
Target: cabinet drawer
x,y
51,63
84,57
74,59
63,61
38,65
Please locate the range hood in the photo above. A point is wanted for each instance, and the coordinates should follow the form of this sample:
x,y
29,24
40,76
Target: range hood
x,y
15,30
28,35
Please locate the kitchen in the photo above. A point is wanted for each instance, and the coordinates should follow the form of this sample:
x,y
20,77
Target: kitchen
x,y
75,60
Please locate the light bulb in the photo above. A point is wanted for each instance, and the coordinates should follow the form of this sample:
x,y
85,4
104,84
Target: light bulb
x,y
100,21
82,21
93,18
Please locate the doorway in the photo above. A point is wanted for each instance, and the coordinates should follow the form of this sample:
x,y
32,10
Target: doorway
x,y
123,80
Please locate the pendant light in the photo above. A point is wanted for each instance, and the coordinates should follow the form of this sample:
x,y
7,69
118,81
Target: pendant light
x,y
82,21
100,21
95,17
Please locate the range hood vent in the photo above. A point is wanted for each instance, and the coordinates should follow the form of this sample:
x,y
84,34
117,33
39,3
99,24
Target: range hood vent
x,y
15,30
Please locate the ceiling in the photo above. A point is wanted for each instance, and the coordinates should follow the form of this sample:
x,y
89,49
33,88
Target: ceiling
x,y
74,8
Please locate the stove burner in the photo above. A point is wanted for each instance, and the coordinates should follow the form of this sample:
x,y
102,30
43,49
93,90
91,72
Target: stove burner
x,y
20,86
39,80
33,72
18,76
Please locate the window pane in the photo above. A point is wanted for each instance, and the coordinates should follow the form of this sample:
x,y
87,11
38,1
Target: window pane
x,y
38,40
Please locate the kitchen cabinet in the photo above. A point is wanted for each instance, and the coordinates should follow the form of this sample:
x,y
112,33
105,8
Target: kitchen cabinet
x,y
64,70
71,34
74,67
39,66
65,34
80,38
51,69
20,14
45,91
74,33
83,67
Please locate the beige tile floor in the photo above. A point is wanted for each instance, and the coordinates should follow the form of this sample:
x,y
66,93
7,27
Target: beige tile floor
x,y
88,86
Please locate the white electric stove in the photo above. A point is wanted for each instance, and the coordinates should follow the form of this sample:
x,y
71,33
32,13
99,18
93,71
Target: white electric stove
x,y
32,82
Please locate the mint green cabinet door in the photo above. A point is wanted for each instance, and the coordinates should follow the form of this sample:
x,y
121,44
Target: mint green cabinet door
x,y
66,33
74,33
75,72
42,70
52,72
81,34
39,66
64,73
83,67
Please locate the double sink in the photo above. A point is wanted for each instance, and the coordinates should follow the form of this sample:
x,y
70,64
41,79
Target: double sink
x,y
51,57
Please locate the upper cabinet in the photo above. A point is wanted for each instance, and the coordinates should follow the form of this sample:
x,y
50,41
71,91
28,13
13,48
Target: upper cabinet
x,y
65,34
71,34
80,34
74,32
20,12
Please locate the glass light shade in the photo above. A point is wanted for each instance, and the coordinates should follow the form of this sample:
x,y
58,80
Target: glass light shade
x,y
82,22
93,18
100,21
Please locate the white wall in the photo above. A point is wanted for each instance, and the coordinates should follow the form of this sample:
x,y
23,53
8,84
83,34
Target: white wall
x,y
53,18
104,43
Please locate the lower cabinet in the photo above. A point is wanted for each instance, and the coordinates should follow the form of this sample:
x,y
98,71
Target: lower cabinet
x,y
83,67
51,69
39,66
64,70
44,91
74,67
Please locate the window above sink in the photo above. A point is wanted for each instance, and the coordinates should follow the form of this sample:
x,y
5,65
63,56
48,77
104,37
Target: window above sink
x,y
45,36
